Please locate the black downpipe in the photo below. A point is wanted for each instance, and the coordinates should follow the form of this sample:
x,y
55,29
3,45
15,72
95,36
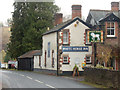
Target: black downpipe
x,y
95,49
57,54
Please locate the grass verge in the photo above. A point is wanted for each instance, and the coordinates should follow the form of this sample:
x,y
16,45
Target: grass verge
x,y
93,85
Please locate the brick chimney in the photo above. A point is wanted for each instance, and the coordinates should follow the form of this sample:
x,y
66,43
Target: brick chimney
x,y
76,11
114,6
58,18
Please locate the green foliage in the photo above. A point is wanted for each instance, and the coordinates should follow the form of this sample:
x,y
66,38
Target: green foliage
x,y
7,58
30,21
75,67
99,66
102,67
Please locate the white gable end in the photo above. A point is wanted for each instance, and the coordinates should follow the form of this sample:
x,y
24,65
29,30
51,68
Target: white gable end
x,y
77,30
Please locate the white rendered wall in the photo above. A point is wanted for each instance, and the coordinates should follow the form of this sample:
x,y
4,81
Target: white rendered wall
x,y
76,39
52,38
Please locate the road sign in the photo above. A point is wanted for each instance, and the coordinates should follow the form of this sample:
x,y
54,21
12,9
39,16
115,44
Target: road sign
x,y
95,36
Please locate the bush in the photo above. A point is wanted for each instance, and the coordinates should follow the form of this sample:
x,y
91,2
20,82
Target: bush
x,y
102,67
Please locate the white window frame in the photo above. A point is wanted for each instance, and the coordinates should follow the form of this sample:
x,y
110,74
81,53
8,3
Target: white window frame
x,y
111,29
65,62
89,60
67,37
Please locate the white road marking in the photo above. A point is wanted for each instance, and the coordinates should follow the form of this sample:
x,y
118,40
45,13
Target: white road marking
x,y
21,75
49,86
38,81
28,77
6,71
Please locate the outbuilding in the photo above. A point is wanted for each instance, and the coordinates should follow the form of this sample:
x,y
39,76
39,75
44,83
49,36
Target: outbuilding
x,y
26,61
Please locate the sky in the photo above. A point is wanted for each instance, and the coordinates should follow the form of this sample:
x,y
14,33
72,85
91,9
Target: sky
x,y
6,7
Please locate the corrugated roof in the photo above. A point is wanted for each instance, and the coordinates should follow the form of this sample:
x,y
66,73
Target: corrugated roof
x,y
29,54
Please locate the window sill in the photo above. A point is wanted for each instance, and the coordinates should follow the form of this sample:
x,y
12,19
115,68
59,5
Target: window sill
x,y
66,44
65,63
89,63
89,44
111,37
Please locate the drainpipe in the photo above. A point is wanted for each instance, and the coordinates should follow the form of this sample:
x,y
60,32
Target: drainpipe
x,y
57,55
95,49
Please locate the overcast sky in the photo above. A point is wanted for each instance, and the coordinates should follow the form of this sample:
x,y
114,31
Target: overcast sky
x,y
6,7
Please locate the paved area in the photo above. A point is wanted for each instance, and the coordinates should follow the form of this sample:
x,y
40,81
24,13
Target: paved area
x,y
23,79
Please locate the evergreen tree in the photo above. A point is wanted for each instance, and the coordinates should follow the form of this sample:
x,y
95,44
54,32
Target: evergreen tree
x,y
30,21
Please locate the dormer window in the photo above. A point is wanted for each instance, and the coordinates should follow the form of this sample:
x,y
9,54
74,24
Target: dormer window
x,y
110,29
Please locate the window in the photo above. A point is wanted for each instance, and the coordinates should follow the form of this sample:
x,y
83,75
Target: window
x,y
65,60
110,29
88,59
45,59
52,58
40,61
48,49
65,37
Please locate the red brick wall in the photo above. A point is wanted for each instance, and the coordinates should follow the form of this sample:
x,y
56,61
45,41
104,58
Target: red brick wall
x,y
112,40
58,18
76,11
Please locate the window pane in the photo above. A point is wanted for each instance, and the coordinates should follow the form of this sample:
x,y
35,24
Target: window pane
x,y
65,37
65,59
88,59
108,25
112,25
108,31
112,32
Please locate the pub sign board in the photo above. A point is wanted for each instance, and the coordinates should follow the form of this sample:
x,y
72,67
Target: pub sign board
x,y
95,36
75,49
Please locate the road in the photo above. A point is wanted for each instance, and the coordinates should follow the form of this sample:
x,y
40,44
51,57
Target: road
x,y
26,79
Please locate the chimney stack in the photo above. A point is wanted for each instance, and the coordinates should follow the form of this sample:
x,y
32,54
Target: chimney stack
x,y
76,11
114,6
58,18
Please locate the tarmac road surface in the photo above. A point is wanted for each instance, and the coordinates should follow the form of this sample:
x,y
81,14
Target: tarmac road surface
x,y
26,79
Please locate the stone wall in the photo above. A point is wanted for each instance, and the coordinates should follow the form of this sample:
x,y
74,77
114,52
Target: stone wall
x,y
103,77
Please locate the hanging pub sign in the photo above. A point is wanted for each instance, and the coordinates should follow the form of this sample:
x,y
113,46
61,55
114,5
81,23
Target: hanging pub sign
x,y
75,49
95,36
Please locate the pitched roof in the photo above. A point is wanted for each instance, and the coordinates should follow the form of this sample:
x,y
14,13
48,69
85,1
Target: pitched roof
x,y
29,54
65,24
111,17
38,53
97,14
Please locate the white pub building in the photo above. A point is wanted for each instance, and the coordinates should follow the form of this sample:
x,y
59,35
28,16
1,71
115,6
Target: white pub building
x,y
65,45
